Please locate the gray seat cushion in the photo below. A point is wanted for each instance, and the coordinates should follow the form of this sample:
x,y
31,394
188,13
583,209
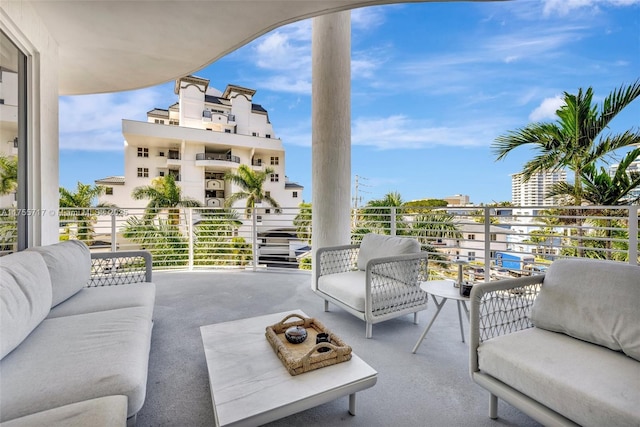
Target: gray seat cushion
x,y
25,297
110,411
90,300
74,358
348,287
69,265
587,383
593,300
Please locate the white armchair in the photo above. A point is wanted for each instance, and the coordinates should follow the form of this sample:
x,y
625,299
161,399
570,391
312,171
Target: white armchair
x,y
375,281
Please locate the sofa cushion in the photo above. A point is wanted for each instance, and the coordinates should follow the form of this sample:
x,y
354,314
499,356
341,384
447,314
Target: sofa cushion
x,y
380,246
348,287
25,297
109,411
74,358
101,298
586,383
595,301
69,265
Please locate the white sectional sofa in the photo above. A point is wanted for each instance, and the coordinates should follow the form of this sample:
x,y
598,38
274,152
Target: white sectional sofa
x,y
68,342
563,347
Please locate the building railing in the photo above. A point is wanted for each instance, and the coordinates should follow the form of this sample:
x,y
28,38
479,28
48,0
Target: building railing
x,y
221,157
493,243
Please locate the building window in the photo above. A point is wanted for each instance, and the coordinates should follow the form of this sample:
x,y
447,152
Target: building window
x,y
268,135
161,173
159,121
254,133
267,211
161,154
471,256
275,161
472,237
108,191
143,152
227,131
295,194
493,237
143,172
174,122
275,177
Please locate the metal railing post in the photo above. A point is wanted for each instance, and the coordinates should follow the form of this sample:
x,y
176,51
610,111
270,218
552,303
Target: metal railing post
x,y
487,244
114,243
392,215
190,236
633,235
254,237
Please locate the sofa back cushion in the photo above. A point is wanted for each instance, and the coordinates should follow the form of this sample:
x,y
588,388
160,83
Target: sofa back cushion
x,y
69,265
25,297
595,301
379,246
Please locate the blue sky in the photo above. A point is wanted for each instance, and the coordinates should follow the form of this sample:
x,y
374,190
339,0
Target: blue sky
x,y
433,84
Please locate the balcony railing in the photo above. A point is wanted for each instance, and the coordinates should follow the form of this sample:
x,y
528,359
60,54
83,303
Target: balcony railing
x,y
221,157
494,243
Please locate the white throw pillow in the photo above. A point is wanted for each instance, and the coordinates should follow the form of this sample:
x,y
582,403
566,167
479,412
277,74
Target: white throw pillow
x,y
25,297
69,265
379,246
592,300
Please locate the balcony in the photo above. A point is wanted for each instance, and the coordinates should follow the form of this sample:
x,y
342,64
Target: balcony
x,y
219,160
212,276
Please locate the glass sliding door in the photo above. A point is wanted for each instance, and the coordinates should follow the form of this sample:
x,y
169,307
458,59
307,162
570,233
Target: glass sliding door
x,y
13,148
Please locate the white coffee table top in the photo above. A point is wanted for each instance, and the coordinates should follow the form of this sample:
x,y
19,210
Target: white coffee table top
x,y
249,384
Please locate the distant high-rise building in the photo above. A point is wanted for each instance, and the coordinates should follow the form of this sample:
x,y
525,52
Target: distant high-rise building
x,y
532,192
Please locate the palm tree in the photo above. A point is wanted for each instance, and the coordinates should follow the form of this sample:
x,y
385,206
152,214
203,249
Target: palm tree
x,y
163,193
251,184
302,222
81,201
600,188
376,216
8,174
577,138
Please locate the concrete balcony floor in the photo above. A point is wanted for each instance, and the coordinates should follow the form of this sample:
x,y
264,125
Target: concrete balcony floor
x,y
430,388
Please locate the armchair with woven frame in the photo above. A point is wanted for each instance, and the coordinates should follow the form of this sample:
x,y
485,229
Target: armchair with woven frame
x,y
377,280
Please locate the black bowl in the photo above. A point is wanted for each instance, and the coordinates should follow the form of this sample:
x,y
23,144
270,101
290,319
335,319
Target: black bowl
x,y
296,334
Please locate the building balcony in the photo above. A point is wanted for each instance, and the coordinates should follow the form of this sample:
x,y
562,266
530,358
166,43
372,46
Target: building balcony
x,y
214,202
224,161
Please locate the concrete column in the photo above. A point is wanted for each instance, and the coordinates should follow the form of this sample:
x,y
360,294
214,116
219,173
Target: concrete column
x,y
331,130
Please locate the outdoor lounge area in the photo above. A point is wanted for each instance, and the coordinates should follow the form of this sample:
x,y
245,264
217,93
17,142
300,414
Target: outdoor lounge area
x,y
431,387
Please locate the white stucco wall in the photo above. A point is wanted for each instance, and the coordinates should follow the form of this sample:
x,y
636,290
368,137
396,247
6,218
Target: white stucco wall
x,y
25,29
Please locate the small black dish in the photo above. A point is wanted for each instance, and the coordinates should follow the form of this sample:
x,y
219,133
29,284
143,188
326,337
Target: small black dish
x,y
320,338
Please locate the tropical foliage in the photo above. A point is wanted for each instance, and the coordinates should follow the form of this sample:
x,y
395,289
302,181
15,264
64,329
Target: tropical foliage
x,y
8,174
578,138
251,185
168,246
163,193
303,222
80,215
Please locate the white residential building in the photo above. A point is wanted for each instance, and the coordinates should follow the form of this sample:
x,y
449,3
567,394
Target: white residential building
x,y
533,191
205,134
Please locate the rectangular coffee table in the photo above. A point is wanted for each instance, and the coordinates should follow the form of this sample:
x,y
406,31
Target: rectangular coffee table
x,y
250,386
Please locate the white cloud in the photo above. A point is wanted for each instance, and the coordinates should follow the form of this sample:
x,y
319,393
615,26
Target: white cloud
x,y
564,7
547,109
401,132
367,17
94,122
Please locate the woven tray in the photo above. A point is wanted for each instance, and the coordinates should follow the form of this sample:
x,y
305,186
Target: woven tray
x,y
305,357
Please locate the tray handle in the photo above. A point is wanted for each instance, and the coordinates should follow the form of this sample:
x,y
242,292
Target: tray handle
x,y
313,353
290,316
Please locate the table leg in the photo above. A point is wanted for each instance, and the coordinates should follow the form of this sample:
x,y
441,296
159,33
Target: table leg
x,y
424,334
460,320
352,403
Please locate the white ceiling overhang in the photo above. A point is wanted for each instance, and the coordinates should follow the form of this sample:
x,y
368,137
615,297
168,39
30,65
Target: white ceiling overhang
x,y
109,46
